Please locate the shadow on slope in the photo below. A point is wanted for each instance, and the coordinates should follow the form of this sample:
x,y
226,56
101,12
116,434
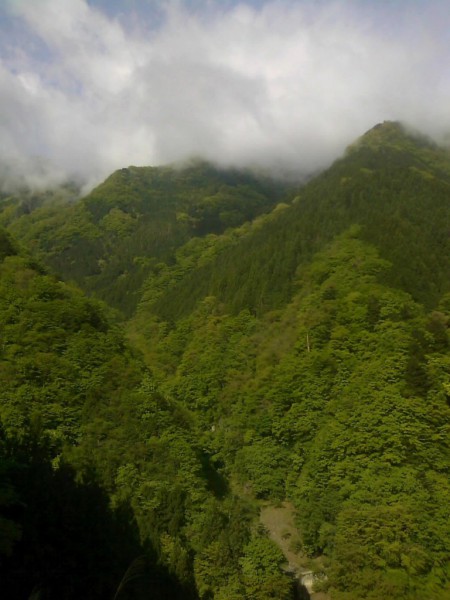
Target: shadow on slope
x,y
59,538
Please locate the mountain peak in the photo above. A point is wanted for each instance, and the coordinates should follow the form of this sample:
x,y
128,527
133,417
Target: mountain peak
x,y
385,130
391,134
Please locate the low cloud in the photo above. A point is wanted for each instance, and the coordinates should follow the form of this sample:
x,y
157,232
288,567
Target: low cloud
x,y
276,85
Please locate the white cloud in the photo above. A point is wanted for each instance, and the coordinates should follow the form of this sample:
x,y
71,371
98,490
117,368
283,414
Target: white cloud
x,y
287,84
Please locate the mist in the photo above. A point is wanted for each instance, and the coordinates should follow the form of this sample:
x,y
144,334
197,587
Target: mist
x,y
284,86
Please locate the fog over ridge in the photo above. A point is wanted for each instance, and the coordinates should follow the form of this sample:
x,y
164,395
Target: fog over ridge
x,y
277,85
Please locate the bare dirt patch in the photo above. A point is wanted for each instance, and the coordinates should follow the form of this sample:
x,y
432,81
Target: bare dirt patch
x,y
279,522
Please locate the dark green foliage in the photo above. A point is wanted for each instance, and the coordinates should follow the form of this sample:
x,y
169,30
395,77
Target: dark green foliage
x,y
396,190
68,542
111,240
6,245
109,438
153,459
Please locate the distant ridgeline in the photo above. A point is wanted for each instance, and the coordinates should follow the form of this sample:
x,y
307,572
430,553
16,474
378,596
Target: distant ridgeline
x,y
277,345
132,224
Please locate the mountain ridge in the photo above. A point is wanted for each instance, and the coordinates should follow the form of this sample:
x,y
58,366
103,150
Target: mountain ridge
x,y
352,190
109,240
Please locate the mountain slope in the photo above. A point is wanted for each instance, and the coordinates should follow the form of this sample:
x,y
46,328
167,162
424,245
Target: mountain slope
x,y
397,192
63,365
99,471
305,346
337,402
109,241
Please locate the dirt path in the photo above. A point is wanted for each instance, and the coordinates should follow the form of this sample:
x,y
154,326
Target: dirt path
x,y
280,524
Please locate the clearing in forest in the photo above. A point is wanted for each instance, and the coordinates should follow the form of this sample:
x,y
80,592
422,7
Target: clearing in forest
x,y
279,522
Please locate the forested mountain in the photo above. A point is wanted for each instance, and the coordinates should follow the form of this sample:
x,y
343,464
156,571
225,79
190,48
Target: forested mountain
x,y
133,222
81,421
286,347
393,185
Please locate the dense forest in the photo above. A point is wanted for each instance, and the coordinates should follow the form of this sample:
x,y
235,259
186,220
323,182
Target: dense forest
x,y
185,348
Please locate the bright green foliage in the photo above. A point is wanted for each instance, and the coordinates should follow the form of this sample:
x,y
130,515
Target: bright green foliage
x,y
263,462
259,576
59,357
339,397
338,401
261,573
67,374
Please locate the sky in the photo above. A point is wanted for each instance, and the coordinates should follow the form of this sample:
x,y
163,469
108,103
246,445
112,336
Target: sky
x,y
89,86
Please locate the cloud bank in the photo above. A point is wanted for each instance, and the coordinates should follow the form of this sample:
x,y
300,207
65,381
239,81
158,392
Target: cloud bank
x,y
276,84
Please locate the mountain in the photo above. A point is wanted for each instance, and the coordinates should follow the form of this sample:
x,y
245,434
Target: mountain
x,y
396,191
132,223
105,487
311,345
294,355
59,359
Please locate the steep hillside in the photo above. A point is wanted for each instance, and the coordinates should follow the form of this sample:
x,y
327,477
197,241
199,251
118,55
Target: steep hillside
x,y
394,185
99,471
337,402
133,222
313,347
62,366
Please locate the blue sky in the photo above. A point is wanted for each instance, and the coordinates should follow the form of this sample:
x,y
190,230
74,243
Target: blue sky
x,y
88,86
